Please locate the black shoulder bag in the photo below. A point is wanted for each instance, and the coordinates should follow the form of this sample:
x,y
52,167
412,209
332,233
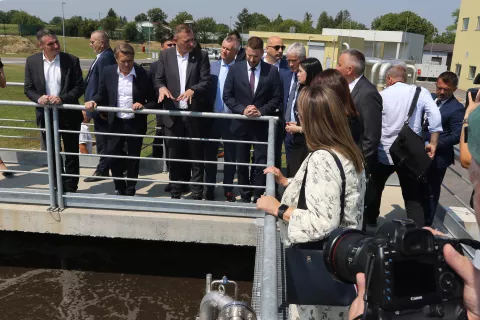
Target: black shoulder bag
x,y
308,280
408,150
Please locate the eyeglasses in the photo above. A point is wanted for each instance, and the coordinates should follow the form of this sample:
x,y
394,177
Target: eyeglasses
x,y
277,47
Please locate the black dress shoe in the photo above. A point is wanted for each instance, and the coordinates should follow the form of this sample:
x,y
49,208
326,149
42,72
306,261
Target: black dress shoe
x,y
198,197
210,194
246,200
96,174
230,197
120,192
255,200
7,174
168,188
175,196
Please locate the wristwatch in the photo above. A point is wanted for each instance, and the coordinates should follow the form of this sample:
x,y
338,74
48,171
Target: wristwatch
x,y
281,210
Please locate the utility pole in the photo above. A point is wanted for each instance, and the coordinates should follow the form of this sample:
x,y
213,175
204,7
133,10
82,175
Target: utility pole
x,y
149,30
230,27
64,42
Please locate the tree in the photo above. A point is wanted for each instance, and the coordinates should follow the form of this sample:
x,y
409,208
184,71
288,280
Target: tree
x,y
277,21
405,21
243,23
324,21
159,32
180,18
157,15
22,17
72,26
109,24
257,19
88,26
205,28
111,13
141,17
341,17
286,26
449,35
56,21
221,32
307,24
130,31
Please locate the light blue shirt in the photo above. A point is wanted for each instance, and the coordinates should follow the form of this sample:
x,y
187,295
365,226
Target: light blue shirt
x,y
219,105
396,104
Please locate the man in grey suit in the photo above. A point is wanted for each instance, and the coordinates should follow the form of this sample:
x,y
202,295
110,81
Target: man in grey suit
x,y
100,44
182,80
221,128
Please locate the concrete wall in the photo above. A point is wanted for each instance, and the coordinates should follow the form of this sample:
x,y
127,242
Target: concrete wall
x,y
333,44
467,51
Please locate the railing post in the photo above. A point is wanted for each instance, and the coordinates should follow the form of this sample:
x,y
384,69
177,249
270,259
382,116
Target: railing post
x,y
269,309
58,156
49,146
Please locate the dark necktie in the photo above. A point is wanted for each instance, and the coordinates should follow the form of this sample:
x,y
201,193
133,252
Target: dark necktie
x,y
252,81
291,98
439,102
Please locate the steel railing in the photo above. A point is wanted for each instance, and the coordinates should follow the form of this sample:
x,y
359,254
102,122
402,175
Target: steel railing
x,y
57,198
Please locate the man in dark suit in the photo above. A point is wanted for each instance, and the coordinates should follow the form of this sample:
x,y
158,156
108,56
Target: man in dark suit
x,y
100,44
452,112
253,89
125,85
241,52
296,53
54,77
274,53
182,80
221,128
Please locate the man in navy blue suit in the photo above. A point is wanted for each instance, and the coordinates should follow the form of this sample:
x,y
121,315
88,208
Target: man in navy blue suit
x,y
253,89
221,128
296,53
274,53
452,112
100,44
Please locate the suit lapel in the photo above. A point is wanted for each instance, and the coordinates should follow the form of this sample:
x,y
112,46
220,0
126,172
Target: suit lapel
x,y
192,61
63,71
114,83
246,80
135,93
357,87
43,88
264,71
174,64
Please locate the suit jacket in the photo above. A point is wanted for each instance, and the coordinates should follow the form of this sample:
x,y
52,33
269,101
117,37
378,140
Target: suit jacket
x,y
142,88
93,77
241,55
452,112
237,94
197,79
369,105
71,87
286,79
284,64
214,74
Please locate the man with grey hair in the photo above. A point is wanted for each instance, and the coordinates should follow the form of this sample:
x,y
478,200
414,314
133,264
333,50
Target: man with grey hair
x,y
274,53
221,128
53,77
296,53
100,43
397,99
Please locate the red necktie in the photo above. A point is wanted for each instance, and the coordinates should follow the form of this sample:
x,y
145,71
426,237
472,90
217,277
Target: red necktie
x,y
252,81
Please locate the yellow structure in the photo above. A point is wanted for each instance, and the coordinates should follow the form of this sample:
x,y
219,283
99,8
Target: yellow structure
x,y
327,49
466,52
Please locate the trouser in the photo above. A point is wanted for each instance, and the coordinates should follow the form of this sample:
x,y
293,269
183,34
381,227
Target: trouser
x,y
243,156
70,144
134,147
433,188
220,129
101,125
189,150
412,191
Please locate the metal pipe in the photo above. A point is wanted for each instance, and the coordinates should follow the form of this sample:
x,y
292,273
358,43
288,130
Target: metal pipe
x,y
21,128
381,76
22,150
347,46
24,171
211,301
58,157
373,73
48,140
269,308
17,120
209,283
19,137
15,84
414,69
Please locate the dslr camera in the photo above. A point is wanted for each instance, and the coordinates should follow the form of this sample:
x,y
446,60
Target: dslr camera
x,y
406,273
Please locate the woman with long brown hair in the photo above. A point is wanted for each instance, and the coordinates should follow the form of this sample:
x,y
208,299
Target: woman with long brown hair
x,y
333,79
311,206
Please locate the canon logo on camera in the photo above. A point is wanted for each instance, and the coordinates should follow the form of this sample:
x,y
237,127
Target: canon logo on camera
x,y
416,298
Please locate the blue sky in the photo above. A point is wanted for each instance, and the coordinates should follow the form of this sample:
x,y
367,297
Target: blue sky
x,y
437,11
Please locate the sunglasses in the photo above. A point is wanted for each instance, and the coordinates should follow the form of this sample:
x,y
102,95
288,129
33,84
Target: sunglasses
x,y
277,47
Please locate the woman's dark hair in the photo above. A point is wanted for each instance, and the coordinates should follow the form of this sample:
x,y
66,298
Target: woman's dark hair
x,y
333,79
312,67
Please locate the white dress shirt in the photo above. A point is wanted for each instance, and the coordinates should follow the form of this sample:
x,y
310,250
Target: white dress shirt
x,y
257,74
397,100
182,74
125,93
96,59
352,84
276,64
53,76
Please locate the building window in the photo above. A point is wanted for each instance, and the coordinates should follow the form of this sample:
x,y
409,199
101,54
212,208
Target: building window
x,y
478,23
472,72
437,60
458,69
466,21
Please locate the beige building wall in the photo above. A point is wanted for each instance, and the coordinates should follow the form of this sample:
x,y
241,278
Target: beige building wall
x,y
466,53
332,45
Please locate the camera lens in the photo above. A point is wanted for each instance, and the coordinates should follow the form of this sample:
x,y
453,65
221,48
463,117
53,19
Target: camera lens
x,y
345,254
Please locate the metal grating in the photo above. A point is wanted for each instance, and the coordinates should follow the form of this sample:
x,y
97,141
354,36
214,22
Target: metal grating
x,y
257,279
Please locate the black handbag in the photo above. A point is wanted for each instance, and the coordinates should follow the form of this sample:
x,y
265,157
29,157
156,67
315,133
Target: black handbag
x,y
307,278
408,150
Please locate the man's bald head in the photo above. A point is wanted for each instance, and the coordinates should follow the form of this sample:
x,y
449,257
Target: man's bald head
x,y
397,73
99,41
275,49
